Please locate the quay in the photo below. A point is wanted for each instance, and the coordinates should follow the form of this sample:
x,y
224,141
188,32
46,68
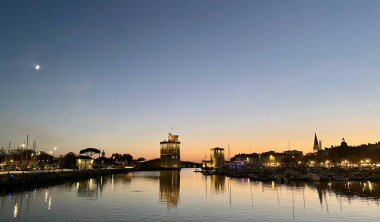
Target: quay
x,y
14,180
294,173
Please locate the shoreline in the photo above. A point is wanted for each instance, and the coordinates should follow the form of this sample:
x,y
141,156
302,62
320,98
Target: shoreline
x,y
12,181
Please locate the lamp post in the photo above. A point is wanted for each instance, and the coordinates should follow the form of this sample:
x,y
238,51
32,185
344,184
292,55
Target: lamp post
x,y
32,160
52,159
21,157
367,161
54,151
38,160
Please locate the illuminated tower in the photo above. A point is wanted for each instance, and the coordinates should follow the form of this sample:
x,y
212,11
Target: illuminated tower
x,y
170,152
217,156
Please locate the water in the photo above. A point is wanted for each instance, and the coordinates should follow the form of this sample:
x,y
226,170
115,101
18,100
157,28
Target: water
x,y
189,196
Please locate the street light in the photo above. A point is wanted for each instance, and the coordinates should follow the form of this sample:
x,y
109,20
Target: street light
x,y
52,162
52,153
22,150
367,161
32,159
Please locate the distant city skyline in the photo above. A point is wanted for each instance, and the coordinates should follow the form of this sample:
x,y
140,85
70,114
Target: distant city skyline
x,y
254,75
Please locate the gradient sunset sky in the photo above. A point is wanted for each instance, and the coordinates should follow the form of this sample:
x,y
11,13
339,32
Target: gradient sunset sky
x,y
257,75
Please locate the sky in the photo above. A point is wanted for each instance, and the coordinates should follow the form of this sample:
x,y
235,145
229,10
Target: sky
x,y
250,75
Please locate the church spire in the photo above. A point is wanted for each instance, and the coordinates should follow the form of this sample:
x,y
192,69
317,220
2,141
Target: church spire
x,y
315,140
316,146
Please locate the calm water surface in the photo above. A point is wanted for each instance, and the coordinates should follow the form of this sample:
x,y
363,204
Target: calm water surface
x,y
189,196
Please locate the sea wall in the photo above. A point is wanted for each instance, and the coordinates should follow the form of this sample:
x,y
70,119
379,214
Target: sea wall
x,y
29,180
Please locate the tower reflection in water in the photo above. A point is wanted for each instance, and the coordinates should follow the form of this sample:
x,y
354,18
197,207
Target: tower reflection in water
x,y
169,187
218,183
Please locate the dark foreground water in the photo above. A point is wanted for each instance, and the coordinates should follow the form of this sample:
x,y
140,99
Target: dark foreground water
x,y
189,196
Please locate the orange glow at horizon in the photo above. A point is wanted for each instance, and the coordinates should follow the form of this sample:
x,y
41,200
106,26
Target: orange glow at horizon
x,y
196,149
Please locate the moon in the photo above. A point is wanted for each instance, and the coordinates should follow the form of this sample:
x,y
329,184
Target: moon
x,y
37,67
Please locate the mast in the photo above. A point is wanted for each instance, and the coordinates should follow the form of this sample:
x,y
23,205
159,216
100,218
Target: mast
x,y
34,145
9,149
229,157
27,147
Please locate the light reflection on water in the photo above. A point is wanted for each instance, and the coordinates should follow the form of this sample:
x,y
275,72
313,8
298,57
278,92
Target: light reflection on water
x,y
188,196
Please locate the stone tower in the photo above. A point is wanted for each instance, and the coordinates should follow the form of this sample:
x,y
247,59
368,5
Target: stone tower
x,y
170,152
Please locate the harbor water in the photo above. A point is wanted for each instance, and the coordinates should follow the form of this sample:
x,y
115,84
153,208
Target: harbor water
x,y
189,196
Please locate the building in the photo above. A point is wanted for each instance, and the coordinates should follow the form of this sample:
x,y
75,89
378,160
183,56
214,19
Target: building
x,y
217,157
84,162
170,152
272,158
252,158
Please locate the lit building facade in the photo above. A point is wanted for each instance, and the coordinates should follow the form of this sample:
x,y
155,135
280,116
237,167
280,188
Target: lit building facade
x,y
217,157
170,152
85,163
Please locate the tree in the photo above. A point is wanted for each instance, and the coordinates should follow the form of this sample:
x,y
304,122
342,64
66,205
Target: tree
x,y
2,155
129,158
90,151
69,160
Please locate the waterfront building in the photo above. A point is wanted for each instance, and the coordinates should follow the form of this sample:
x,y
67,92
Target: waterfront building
x,y
251,158
272,158
217,157
206,164
170,152
84,162
293,157
345,155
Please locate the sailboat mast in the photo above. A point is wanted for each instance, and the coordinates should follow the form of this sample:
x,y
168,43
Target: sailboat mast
x,y
229,157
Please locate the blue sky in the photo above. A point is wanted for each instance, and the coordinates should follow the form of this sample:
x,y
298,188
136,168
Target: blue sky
x,y
118,75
